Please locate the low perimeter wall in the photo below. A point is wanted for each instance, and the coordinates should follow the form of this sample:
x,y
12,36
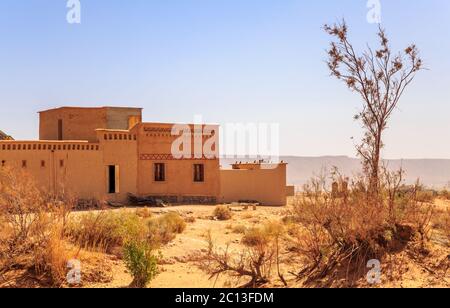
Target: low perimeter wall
x,y
266,186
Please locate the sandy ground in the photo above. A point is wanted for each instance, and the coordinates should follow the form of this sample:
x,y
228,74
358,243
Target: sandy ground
x,y
178,271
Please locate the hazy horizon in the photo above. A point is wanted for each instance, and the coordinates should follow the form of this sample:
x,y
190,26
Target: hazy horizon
x,y
258,61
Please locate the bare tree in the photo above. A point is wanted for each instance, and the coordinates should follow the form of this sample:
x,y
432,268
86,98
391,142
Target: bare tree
x,y
380,77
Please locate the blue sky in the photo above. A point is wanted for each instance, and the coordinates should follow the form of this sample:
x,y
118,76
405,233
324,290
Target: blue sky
x,y
228,60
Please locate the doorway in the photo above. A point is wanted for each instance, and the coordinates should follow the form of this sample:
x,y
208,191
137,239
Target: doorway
x,y
113,179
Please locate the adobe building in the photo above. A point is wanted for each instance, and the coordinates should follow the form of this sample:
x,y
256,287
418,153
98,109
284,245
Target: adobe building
x,y
108,153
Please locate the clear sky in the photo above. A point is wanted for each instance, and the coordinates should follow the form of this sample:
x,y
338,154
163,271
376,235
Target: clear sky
x,y
228,60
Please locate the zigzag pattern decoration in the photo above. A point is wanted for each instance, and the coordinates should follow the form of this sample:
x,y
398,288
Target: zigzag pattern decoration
x,y
169,157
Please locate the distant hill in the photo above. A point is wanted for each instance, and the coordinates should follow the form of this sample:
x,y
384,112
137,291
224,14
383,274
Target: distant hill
x,y
434,173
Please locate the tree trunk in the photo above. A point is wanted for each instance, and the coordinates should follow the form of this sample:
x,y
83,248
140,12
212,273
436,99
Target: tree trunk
x,y
375,174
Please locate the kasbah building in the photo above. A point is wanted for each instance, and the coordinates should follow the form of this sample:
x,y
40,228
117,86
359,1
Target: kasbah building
x,y
108,153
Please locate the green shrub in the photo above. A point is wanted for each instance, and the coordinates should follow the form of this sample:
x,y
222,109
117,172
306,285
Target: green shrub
x,y
222,212
141,263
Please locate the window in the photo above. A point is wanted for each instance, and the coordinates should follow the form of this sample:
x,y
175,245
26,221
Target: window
x,y
61,163
60,129
42,163
199,173
24,163
3,163
160,172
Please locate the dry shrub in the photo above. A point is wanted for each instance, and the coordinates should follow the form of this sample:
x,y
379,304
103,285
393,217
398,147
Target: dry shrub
x,y
424,195
31,236
108,230
340,233
445,194
190,219
162,230
222,212
144,213
247,215
105,230
441,222
52,259
239,229
256,262
256,237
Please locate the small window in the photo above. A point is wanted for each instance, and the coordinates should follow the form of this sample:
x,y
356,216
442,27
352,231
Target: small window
x,y
42,163
199,173
3,163
24,163
60,129
160,172
61,163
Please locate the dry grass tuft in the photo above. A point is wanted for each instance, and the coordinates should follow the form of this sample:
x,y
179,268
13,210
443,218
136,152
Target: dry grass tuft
x,y
445,194
239,229
105,230
222,212
163,230
144,213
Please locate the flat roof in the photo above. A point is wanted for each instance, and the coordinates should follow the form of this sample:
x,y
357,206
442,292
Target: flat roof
x,y
44,141
87,108
177,123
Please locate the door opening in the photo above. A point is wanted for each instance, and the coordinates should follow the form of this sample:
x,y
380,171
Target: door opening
x,y
112,179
